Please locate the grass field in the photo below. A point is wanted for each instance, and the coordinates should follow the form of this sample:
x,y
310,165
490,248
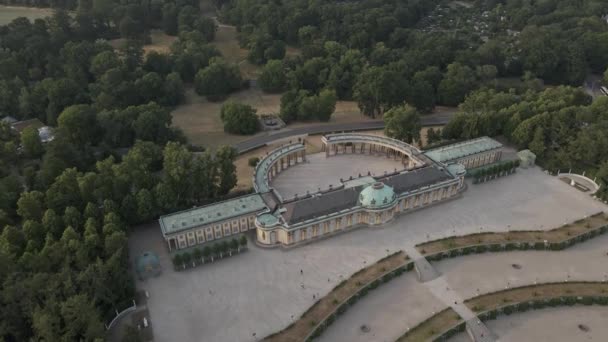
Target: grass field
x,y
160,42
200,119
227,43
9,13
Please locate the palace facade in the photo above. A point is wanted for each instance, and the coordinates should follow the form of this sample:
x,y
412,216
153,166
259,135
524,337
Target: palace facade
x,y
427,178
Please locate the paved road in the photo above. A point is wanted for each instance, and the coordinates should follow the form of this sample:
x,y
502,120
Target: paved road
x,y
259,141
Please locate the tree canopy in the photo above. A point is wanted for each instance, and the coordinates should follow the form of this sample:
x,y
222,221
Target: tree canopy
x,y
402,123
239,118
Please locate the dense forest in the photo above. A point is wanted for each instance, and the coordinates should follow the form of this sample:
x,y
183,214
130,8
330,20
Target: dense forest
x,y
66,206
380,53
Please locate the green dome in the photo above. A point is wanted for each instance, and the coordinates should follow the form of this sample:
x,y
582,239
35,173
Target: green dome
x,y
377,195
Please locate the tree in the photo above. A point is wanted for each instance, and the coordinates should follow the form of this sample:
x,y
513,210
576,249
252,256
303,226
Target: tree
x,y
433,136
173,90
217,250
402,123
152,123
169,18
129,28
104,61
456,84
275,51
177,260
225,247
72,217
78,124
186,257
377,89
290,104
239,118
217,80
234,245
421,95
243,241
319,107
227,171
30,205
537,145
197,254
52,222
81,319
273,79
30,141
207,253
253,161
145,205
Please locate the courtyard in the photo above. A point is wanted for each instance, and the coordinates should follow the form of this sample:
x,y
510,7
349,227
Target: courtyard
x,y
249,296
319,172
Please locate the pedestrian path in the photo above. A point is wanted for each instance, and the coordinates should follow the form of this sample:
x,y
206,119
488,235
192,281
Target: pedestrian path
x,y
438,285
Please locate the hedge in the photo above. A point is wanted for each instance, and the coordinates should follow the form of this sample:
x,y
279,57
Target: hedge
x,y
533,304
522,246
352,300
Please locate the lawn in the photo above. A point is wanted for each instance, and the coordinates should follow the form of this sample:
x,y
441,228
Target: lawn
x,y
439,323
200,119
9,13
494,300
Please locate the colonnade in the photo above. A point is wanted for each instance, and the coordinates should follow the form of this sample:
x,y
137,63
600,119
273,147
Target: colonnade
x,y
286,161
332,149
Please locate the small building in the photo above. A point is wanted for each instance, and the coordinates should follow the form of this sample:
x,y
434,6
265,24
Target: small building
x,y
44,132
147,265
526,158
20,126
471,153
9,120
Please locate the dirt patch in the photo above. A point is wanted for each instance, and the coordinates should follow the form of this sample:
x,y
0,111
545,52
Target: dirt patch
x,y
555,235
346,112
159,42
200,120
433,326
326,305
10,13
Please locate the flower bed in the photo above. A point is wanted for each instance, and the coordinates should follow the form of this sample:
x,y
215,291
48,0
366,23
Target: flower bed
x,y
555,239
434,327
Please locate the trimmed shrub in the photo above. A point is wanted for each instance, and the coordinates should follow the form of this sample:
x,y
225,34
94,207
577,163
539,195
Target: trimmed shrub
x,y
253,161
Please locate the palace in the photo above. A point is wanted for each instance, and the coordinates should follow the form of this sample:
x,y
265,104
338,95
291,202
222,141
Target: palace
x,y
424,179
